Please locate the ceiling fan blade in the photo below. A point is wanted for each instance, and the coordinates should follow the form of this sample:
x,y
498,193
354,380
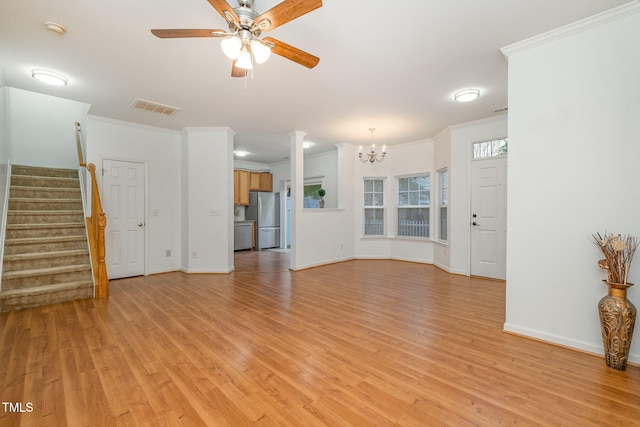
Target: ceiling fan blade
x,y
172,34
224,10
237,71
287,11
293,53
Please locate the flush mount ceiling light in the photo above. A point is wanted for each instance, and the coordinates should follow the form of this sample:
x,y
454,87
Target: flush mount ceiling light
x,y
467,95
307,144
55,28
241,153
49,77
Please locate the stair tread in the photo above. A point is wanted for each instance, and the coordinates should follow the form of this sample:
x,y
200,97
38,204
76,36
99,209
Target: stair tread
x,y
52,177
52,239
37,187
44,271
43,199
44,212
45,225
43,289
31,255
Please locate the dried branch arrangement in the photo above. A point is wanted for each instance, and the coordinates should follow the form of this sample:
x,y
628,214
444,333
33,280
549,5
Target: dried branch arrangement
x,y
618,253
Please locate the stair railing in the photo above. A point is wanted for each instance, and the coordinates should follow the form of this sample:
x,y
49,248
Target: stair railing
x,y
96,225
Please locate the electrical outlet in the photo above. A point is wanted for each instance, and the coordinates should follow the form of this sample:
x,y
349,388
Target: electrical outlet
x,y
194,254
341,246
168,253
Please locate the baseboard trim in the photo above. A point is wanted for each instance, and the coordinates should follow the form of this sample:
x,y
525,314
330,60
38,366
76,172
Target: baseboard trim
x,y
562,341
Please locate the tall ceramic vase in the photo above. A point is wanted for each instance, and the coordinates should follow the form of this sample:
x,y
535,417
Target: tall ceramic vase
x,y
617,319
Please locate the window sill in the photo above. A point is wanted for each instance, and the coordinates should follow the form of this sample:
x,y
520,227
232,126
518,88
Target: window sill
x,y
408,238
306,210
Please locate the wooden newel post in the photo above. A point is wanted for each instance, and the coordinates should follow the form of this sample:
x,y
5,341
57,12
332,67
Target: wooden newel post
x,y
98,222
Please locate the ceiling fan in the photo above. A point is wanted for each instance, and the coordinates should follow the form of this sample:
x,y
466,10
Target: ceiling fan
x,y
242,43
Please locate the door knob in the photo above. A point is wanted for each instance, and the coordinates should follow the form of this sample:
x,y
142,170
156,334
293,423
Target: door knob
x,y
140,224
474,223
474,215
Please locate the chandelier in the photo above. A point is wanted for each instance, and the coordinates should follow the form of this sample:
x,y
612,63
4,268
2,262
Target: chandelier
x,y
372,156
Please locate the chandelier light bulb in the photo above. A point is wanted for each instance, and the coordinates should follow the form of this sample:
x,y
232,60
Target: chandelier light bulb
x,y
244,60
231,47
261,53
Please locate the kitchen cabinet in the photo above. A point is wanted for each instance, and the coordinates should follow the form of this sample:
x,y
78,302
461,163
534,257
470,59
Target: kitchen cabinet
x,y
266,182
245,181
241,182
261,181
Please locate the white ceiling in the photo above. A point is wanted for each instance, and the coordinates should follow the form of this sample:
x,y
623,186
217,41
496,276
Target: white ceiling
x,y
382,64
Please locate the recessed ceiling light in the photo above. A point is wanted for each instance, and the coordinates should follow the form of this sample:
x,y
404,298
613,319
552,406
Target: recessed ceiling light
x,y
240,153
49,77
467,95
307,144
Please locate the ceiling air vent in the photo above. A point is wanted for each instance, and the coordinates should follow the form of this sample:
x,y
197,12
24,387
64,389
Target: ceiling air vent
x,y
154,107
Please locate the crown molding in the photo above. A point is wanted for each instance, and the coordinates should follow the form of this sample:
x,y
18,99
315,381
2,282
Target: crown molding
x,y
125,123
577,27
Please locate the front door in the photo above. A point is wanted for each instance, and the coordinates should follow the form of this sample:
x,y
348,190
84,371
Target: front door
x,y
123,186
489,218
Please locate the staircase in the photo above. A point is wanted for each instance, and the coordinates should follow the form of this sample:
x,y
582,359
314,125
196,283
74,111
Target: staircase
x,y
46,254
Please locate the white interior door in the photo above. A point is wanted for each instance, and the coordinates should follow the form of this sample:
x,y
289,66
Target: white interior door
x,y
123,186
489,218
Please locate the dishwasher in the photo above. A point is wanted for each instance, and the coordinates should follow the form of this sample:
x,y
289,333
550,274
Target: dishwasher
x,y
243,235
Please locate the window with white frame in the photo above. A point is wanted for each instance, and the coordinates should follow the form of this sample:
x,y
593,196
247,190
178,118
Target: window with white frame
x,y
492,148
414,198
443,179
373,207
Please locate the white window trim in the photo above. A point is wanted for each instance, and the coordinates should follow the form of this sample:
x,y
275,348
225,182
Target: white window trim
x,y
397,206
441,205
385,191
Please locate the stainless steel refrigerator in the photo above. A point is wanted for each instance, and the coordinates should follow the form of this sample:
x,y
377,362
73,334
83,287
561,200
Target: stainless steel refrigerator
x,y
264,209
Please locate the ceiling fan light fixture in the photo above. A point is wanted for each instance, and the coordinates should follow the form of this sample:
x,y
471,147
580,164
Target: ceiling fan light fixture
x,y
261,53
244,60
49,77
467,95
231,47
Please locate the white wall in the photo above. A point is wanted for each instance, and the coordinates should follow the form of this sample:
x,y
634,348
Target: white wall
x,y
442,159
321,236
251,166
4,163
208,201
42,129
323,165
574,157
159,149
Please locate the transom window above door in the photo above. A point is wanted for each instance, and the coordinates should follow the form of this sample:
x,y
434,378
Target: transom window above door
x,y
492,148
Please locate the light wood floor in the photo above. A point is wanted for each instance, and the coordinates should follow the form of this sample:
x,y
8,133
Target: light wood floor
x,y
363,343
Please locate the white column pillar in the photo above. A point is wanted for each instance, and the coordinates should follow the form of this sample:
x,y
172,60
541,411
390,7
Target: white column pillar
x,y
297,190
